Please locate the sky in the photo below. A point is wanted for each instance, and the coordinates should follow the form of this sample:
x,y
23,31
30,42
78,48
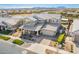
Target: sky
x,y
7,6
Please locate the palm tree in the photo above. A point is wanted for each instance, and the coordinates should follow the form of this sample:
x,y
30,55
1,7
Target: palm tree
x,y
70,20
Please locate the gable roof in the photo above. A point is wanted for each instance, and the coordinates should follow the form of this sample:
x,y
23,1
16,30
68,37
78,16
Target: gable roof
x,y
9,20
31,27
51,27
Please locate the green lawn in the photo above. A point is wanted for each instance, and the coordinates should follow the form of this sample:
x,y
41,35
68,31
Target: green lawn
x,y
4,37
17,41
5,32
54,12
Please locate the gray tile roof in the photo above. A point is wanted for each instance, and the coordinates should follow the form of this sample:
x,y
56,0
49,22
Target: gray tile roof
x,y
47,16
31,18
31,27
51,27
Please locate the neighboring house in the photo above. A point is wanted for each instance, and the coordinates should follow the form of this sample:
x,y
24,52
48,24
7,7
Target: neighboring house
x,y
50,18
31,19
72,13
4,14
2,26
74,30
11,22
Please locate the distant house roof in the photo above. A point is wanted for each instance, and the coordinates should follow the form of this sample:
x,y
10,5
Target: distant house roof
x,y
31,18
18,16
1,24
47,16
5,13
74,13
75,26
9,20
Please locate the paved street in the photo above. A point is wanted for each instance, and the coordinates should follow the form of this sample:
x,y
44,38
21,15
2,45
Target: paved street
x,y
9,48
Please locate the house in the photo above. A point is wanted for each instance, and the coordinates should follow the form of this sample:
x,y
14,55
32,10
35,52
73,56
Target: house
x,y
11,22
4,14
2,26
74,30
72,13
31,19
32,28
50,18
41,25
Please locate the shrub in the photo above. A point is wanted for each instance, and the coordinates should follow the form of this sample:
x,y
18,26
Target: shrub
x,y
50,12
4,38
17,41
60,38
5,32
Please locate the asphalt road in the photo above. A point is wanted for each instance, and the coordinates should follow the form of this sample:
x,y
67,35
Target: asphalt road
x,y
9,48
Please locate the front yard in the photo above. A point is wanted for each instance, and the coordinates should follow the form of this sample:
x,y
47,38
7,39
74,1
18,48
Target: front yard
x,y
4,37
17,41
12,40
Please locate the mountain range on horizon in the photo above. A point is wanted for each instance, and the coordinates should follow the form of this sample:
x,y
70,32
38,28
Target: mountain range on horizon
x,y
59,7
